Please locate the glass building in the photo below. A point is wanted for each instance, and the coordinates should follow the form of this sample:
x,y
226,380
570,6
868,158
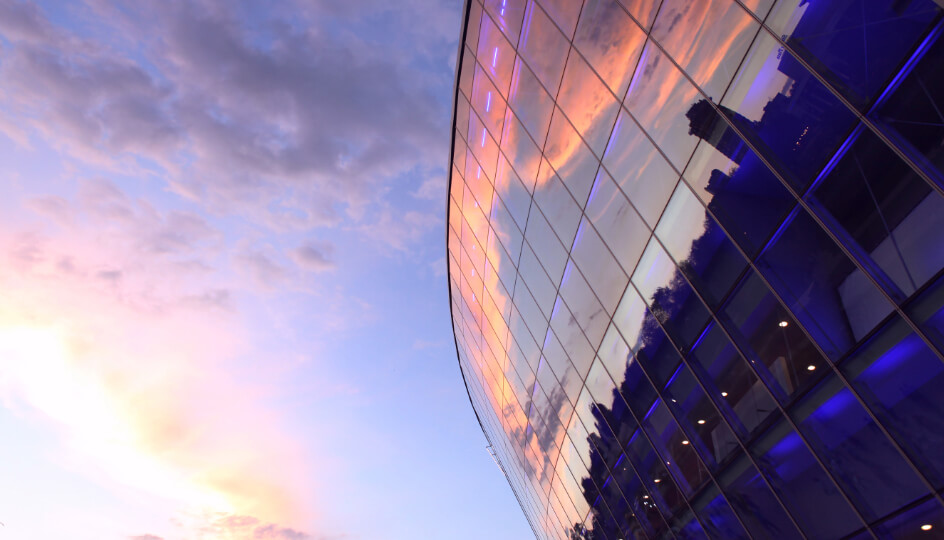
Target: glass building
x,y
695,254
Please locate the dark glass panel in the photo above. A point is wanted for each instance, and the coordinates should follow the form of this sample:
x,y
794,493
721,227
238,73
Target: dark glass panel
x,y
752,499
709,434
860,457
900,379
857,45
680,458
771,339
913,115
737,391
716,516
887,214
793,120
803,486
928,311
923,522
737,187
815,279
703,252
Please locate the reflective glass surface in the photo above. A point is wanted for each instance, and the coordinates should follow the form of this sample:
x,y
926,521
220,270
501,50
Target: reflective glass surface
x,y
696,266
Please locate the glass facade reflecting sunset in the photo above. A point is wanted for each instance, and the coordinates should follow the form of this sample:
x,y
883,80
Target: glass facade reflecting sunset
x,y
695,256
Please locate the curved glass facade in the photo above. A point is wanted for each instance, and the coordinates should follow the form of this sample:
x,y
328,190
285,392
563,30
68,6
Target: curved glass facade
x,y
695,255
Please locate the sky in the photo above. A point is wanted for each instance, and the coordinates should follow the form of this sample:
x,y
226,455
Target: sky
x,y
223,303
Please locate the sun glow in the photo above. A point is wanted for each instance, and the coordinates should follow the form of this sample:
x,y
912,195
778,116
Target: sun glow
x,y
41,371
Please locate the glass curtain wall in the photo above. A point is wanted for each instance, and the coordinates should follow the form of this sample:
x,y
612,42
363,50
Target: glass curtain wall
x,y
695,253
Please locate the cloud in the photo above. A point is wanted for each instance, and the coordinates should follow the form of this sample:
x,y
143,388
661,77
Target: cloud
x,y
314,256
145,537
254,112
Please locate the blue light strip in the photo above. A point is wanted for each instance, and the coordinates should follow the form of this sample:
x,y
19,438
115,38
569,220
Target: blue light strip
x,y
908,66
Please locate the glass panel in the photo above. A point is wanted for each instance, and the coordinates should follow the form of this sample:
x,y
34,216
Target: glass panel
x,y
819,284
588,103
610,41
508,15
855,44
543,47
863,461
771,339
658,97
669,296
913,115
642,10
531,102
599,267
928,311
741,192
546,246
559,208
710,435
792,119
651,468
708,39
512,192
803,485
564,13
752,499
487,102
886,211
923,522
716,515
680,459
495,54
639,169
475,22
519,149
900,379
616,221
570,157
701,249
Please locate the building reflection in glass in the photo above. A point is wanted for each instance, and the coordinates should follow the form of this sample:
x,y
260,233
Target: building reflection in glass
x,y
695,263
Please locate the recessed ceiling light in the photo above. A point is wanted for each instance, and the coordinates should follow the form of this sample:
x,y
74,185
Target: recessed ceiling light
x,y
926,527
784,324
684,442
811,367
701,421
657,480
724,394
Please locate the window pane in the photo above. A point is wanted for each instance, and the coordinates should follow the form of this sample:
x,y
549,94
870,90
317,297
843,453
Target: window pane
x,y
543,47
610,41
737,391
793,120
588,103
817,282
639,169
617,222
771,339
658,97
708,39
742,193
856,44
803,485
900,379
888,212
752,499
861,458
913,115
530,101
508,15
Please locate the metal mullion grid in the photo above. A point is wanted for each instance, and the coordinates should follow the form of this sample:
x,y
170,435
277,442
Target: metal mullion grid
x,y
629,463
515,472
557,486
629,276
855,111
800,202
456,90
576,480
601,499
805,205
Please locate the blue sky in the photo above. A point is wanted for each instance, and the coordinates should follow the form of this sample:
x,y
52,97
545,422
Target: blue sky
x,y
225,312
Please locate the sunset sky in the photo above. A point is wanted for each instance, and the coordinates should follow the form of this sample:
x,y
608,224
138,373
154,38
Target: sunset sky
x,y
223,303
